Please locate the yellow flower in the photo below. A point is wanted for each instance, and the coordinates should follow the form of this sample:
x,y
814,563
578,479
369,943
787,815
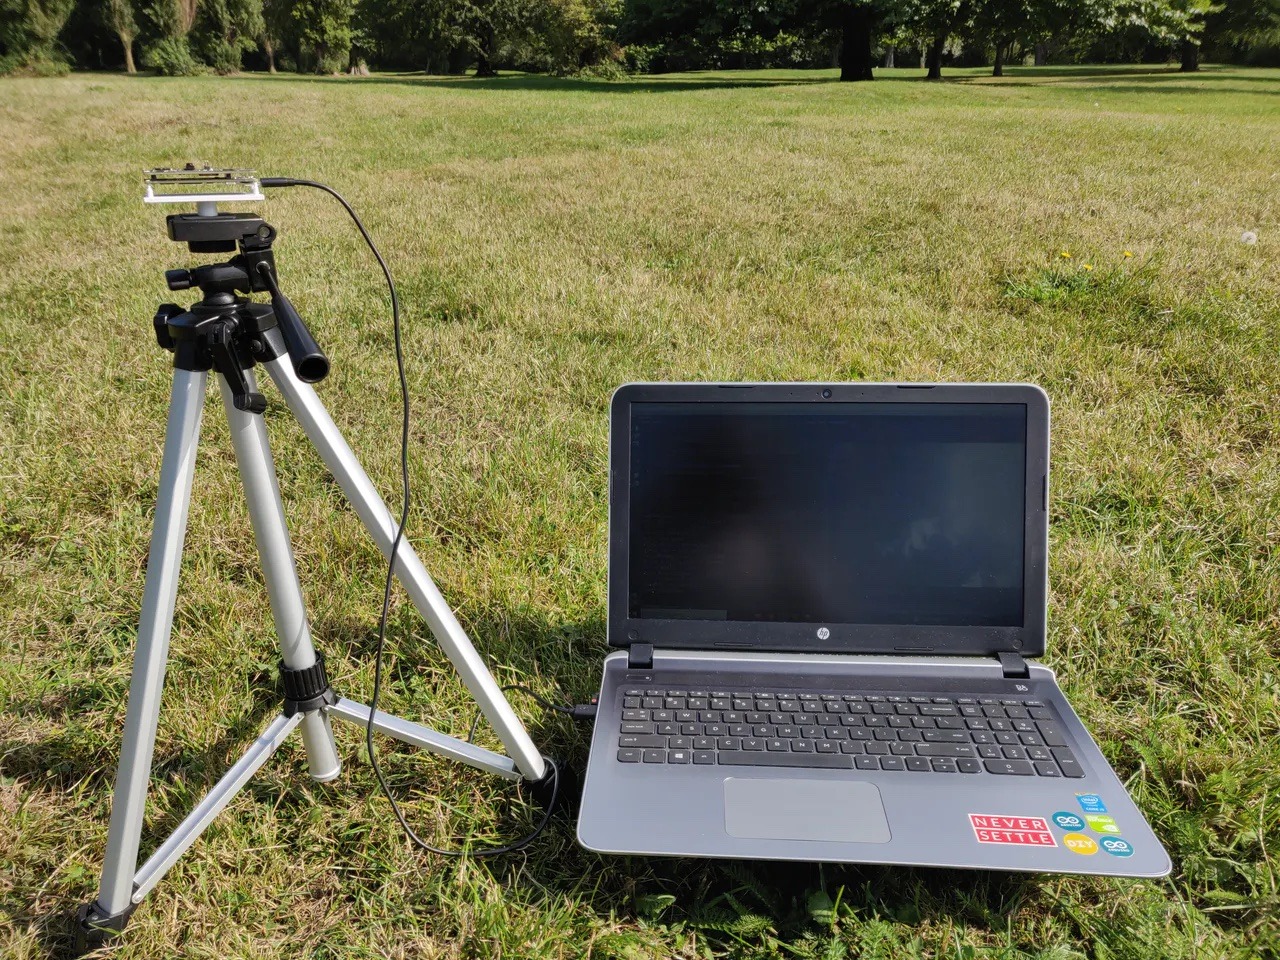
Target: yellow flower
x,y
1128,254
1065,254
1087,266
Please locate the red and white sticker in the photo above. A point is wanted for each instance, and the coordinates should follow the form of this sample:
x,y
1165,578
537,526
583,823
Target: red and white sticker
x,y
1021,831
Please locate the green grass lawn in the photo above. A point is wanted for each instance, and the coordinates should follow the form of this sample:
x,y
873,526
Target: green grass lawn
x,y
552,239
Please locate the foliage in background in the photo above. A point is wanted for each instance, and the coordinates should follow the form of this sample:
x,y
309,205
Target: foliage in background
x,y
608,37
29,31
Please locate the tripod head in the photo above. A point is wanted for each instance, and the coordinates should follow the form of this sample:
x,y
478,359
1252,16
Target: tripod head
x,y
224,329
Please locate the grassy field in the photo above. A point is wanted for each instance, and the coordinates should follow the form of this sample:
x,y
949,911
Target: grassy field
x,y
552,239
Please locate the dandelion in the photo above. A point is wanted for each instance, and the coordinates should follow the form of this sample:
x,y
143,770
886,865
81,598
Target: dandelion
x,y
1087,266
1249,237
1128,254
1065,254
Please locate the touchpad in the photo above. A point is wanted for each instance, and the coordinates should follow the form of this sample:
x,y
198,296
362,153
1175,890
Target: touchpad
x,y
847,811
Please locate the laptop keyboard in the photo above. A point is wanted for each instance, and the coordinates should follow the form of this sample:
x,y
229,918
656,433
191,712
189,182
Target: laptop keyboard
x,y
922,734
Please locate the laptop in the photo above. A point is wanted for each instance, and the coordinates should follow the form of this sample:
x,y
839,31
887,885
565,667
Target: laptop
x,y
827,601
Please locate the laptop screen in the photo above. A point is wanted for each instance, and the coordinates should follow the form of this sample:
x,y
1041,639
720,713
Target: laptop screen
x,y
906,514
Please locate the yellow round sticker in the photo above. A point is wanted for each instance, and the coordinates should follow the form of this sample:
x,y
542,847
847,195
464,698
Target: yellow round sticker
x,y
1079,843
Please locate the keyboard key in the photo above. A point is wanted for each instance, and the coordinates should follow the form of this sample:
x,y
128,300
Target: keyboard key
x,y
630,740
1053,734
742,759
1016,768
946,736
866,763
729,743
933,710
776,746
1047,768
655,756
826,746
878,749
704,757
679,756
851,746
919,764
637,728
891,763
943,765
752,743
901,750
630,703
944,750
968,765
629,756
680,743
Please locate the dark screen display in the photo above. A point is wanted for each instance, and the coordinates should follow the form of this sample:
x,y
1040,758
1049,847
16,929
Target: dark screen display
x,y
859,513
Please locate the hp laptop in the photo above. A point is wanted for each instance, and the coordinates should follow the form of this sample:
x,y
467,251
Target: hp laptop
x,y
828,600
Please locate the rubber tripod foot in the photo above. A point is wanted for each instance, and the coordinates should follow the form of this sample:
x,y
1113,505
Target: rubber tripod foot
x,y
95,927
559,783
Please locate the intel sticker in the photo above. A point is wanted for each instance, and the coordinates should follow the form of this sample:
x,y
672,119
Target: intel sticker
x,y
1091,803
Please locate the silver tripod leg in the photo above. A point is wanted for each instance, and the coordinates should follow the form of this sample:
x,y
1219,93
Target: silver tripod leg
x,y
262,491
375,516
177,468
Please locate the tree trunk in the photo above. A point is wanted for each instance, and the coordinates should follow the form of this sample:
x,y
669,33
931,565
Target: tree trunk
x,y
484,59
998,69
934,59
1190,56
1042,54
270,49
126,41
855,44
888,58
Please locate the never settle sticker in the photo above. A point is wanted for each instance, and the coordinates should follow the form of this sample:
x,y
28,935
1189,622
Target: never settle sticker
x,y
1022,831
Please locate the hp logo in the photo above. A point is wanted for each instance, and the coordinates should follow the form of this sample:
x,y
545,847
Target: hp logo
x,y
823,633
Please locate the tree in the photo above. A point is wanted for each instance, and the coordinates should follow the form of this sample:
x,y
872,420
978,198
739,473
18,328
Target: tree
x,y
119,16
325,32
29,31
226,30
935,20
857,24
277,23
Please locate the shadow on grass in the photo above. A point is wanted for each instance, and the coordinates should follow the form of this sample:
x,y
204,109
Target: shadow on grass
x,y
729,902
539,83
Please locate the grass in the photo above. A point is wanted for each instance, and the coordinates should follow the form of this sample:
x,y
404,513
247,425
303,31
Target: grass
x,y
552,239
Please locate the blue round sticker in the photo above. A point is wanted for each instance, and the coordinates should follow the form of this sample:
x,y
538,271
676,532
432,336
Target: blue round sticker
x,y
1068,821
1116,846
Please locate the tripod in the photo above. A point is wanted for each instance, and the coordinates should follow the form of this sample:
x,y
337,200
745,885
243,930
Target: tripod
x,y
229,335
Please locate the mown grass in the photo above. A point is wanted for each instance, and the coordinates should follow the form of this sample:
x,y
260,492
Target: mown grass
x,y
552,239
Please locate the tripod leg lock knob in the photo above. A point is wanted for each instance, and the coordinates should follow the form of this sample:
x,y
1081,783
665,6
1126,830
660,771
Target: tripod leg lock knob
x,y
307,689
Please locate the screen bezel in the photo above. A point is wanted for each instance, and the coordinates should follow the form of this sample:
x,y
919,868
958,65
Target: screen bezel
x,y
1027,639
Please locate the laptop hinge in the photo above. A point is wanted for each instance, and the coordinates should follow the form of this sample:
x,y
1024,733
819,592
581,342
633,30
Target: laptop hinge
x,y
1013,665
640,656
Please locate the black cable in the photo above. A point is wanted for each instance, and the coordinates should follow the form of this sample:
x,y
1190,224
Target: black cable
x,y
391,564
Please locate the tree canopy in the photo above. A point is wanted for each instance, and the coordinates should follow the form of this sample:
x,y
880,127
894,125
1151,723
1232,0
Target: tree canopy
x,y
614,36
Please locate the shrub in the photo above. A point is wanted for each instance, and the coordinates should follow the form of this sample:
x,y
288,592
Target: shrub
x,y
32,64
171,57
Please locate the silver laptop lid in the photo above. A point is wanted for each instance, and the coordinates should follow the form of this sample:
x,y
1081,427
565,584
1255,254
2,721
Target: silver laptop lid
x,y
851,518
